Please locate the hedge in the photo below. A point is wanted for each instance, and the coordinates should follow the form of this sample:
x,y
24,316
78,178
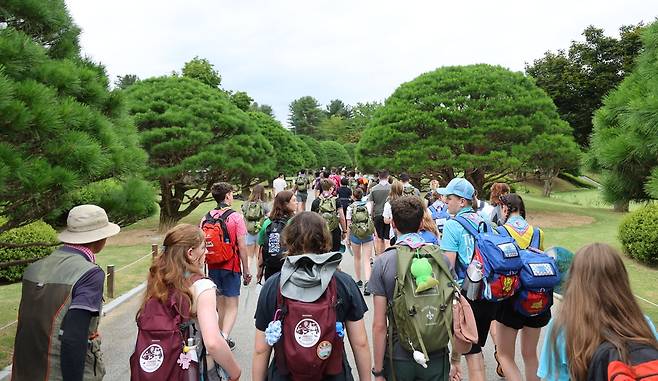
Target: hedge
x,y
38,231
638,233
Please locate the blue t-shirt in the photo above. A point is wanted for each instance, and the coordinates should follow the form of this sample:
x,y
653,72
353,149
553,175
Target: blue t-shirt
x,y
547,363
429,237
456,238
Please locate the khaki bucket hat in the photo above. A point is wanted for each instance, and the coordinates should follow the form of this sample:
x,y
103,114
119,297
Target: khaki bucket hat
x,y
86,224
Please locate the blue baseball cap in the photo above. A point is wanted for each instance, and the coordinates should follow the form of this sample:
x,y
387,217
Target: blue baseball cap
x,y
459,187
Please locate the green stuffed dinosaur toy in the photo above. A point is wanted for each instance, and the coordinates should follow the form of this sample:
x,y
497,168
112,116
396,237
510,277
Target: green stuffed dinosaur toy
x,y
421,269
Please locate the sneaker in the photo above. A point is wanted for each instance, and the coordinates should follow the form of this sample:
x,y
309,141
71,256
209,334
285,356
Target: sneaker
x,y
366,291
359,284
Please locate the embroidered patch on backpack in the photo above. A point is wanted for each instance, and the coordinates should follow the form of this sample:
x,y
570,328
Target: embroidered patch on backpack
x,y
151,358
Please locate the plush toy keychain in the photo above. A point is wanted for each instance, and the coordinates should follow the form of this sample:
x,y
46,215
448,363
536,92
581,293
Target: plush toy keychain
x,y
421,269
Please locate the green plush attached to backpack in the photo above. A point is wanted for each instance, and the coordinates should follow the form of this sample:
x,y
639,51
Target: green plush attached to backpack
x,y
422,319
328,211
362,226
302,183
254,214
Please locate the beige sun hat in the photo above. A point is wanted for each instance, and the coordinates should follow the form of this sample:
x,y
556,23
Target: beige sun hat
x,y
86,224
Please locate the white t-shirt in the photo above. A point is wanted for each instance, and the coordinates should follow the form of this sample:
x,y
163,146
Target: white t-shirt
x,y
348,216
198,288
387,213
279,185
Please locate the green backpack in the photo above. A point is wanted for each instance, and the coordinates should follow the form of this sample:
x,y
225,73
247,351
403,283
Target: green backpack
x,y
423,320
328,212
254,215
362,226
409,190
301,183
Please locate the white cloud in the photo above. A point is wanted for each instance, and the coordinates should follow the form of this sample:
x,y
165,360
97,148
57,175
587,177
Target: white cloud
x,y
357,51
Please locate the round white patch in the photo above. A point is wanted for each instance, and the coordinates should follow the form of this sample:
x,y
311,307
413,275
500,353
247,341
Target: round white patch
x,y
307,333
151,358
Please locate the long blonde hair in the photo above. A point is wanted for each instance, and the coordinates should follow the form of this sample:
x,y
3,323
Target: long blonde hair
x,y
428,223
171,268
397,191
598,306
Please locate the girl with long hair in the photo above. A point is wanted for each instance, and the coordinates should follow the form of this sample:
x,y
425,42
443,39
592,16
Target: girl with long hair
x,y
397,191
309,271
510,321
598,307
271,248
254,222
173,270
497,190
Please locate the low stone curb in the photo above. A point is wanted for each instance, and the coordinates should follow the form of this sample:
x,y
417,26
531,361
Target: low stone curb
x,y
5,373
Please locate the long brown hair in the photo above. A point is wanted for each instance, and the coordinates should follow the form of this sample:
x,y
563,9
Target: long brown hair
x,y
397,191
598,306
306,233
171,268
428,224
280,205
498,189
257,194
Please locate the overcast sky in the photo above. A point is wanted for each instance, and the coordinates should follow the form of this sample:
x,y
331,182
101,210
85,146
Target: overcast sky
x,y
356,51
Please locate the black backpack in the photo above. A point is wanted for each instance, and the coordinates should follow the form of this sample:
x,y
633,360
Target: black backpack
x,y
606,364
273,249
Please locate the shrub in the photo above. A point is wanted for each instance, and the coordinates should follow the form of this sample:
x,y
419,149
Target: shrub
x,y
38,231
638,233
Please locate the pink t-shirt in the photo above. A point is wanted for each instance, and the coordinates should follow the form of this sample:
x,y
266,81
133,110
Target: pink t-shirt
x,y
236,228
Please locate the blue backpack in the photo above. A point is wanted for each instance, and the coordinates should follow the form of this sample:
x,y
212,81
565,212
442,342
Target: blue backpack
x,y
500,258
440,216
539,276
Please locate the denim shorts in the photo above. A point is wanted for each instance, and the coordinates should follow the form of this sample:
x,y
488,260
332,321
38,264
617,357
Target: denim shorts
x,y
358,241
252,239
227,282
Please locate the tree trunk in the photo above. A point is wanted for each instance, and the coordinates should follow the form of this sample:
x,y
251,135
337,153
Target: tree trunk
x,y
548,187
621,206
169,205
166,222
476,178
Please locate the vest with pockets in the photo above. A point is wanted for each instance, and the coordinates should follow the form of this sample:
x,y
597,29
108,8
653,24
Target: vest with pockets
x,y
46,298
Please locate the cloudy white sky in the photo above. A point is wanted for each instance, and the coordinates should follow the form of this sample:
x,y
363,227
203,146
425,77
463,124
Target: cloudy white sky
x,y
357,51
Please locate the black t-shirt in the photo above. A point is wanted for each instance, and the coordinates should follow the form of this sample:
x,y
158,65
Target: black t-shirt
x,y
351,307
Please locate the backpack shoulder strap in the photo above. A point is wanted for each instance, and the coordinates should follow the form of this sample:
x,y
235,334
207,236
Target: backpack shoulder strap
x,y
226,214
535,241
467,225
502,230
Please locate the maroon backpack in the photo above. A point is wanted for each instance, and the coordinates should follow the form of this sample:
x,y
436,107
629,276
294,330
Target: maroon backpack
x,y
162,331
309,348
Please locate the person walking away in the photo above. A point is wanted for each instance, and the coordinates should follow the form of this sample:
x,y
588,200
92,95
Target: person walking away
x,y
497,190
329,207
428,229
305,311
377,197
227,259
270,239
178,302
344,194
408,189
396,191
301,190
406,346
510,319
600,327
279,184
459,245
254,212
61,299
335,177
360,231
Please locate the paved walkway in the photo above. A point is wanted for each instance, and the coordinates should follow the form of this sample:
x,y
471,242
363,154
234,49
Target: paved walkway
x,y
119,332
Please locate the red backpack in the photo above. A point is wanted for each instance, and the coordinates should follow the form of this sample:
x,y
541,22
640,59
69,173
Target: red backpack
x,y
606,364
218,242
162,333
309,348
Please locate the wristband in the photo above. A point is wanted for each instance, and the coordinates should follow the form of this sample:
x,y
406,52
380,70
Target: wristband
x,y
379,373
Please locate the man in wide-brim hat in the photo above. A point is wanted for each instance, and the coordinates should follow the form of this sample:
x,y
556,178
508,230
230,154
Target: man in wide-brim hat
x,y
62,296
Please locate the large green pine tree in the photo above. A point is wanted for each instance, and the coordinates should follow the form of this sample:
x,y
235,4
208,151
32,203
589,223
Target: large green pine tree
x,y
459,120
625,136
61,127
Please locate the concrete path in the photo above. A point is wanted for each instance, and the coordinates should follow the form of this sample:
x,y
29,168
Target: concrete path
x,y
118,330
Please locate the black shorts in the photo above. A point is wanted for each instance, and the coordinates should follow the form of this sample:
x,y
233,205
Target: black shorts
x,y
484,312
510,317
381,228
336,236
